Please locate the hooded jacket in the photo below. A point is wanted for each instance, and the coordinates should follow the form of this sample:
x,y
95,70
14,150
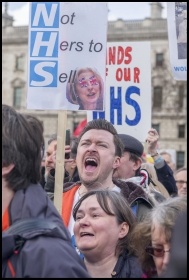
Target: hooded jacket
x,y
45,254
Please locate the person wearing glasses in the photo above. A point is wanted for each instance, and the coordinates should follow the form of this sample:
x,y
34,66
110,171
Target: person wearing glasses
x,y
152,237
178,265
180,176
86,89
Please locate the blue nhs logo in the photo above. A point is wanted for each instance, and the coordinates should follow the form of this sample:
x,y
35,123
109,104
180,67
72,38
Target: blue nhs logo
x,y
43,55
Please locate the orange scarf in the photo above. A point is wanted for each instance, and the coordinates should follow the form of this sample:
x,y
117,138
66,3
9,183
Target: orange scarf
x,y
68,199
5,220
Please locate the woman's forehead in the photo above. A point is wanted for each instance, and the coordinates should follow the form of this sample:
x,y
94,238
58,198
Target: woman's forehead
x,y
86,73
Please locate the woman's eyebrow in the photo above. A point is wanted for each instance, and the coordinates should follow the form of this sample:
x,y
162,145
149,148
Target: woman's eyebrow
x,y
93,76
90,209
82,79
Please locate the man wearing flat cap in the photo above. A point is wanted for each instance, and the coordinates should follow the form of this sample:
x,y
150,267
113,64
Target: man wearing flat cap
x,y
131,161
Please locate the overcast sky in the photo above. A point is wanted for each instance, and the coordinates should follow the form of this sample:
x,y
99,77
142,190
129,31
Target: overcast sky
x,y
126,10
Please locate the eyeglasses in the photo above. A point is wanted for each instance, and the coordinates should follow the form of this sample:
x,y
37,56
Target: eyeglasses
x,y
156,252
92,80
181,182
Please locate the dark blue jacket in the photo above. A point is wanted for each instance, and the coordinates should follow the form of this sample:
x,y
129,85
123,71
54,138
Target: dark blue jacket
x,y
127,266
44,254
165,176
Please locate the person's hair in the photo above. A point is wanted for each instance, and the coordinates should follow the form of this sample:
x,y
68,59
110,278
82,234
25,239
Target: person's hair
x,y
179,170
102,124
71,91
165,215
52,138
133,157
154,183
113,204
23,146
164,152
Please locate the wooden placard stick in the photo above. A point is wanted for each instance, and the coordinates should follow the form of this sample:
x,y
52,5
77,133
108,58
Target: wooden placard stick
x,y
59,174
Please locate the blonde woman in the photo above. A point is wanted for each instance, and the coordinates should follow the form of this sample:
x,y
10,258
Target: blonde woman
x,y
152,237
86,89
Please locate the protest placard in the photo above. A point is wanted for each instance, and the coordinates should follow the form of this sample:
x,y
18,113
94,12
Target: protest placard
x,y
177,34
63,38
128,95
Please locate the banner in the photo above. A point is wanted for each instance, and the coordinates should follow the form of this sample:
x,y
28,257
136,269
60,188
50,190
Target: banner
x,y
177,34
67,55
128,88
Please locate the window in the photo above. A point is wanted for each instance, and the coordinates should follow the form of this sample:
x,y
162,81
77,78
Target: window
x,y
180,96
156,126
159,59
157,102
181,131
20,63
17,98
180,159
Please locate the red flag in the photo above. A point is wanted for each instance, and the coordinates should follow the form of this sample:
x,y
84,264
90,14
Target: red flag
x,y
80,127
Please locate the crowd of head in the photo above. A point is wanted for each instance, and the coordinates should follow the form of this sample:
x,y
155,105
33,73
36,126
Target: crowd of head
x,y
119,214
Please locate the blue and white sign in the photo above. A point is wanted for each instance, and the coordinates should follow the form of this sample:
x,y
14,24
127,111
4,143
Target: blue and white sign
x,y
177,34
64,37
128,88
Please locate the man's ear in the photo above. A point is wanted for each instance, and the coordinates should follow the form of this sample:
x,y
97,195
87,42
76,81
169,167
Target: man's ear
x,y
117,162
137,164
73,164
7,169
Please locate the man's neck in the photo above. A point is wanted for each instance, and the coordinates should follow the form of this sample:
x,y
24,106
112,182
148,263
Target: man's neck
x,y
95,186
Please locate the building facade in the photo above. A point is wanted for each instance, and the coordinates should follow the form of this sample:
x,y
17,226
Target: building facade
x,y
168,95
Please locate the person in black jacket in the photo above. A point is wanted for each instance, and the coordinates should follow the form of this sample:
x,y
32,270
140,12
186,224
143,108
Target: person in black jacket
x,y
164,172
103,222
130,167
46,253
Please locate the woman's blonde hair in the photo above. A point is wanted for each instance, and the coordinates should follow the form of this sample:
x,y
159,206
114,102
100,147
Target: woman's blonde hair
x,y
71,92
165,215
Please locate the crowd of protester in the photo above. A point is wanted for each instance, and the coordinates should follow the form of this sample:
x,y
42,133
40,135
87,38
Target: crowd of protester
x,y
120,215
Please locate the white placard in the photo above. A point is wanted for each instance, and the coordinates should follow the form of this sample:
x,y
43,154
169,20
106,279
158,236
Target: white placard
x,y
177,34
128,88
64,37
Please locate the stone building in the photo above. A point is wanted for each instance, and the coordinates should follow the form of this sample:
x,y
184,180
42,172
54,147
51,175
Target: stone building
x,y
168,95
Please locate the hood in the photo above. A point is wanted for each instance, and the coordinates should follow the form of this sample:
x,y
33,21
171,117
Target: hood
x,y
33,202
